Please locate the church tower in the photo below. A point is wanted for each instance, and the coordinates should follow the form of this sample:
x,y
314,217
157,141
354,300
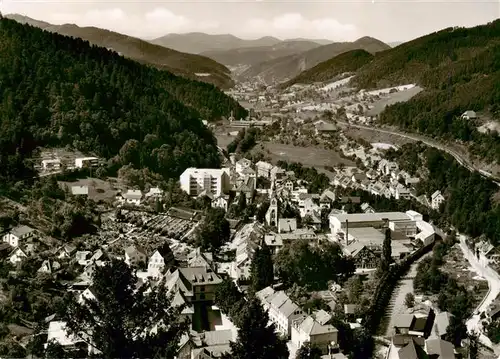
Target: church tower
x,y
272,212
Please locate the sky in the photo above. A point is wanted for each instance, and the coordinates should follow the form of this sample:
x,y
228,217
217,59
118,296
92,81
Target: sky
x,y
347,20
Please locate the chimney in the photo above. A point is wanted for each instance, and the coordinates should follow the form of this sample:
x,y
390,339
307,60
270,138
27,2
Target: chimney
x,y
346,232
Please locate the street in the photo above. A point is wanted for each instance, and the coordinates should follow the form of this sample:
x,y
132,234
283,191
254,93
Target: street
x,y
493,278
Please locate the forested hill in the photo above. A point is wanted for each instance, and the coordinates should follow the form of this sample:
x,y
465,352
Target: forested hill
x,y
459,69
346,62
59,91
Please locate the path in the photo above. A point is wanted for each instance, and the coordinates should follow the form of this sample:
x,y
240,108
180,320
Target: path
x,y
397,303
432,143
493,278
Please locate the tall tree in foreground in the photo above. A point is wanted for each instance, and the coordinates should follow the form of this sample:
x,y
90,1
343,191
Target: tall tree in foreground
x,y
262,268
214,230
256,338
123,322
386,251
308,351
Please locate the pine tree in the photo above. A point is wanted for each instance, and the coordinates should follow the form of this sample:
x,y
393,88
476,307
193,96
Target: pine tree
x,y
124,322
257,339
386,251
262,268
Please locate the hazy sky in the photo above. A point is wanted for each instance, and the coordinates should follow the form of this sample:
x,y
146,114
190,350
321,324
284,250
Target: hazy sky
x,y
335,20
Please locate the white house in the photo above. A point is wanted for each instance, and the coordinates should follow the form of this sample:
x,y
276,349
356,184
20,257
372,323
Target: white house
x,y
86,162
402,192
243,164
154,192
197,180
80,190
399,220
51,165
469,115
18,234
221,201
315,329
263,169
133,196
87,294
17,255
436,199
282,310
135,255
287,225
57,333
161,259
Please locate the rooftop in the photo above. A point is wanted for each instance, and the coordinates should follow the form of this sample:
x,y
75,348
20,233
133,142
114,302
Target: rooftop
x,y
370,217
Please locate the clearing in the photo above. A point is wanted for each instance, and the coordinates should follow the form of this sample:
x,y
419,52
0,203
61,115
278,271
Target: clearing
x,y
99,190
308,156
391,98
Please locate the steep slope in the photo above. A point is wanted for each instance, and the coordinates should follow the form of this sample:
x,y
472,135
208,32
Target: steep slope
x,y
60,91
198,42
142,51
287,67
346,62
459,68
254,55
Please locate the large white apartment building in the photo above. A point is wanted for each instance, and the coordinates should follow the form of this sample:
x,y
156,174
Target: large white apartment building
x,y
214,181
399,221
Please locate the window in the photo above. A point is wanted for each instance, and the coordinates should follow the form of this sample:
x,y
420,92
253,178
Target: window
x,y
202,288
202,296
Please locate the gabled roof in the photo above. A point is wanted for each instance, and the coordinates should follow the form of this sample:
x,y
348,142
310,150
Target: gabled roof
x,y
404,320
436,194
133,194
283,304
441,322
441,348
412,351
311,327
21,230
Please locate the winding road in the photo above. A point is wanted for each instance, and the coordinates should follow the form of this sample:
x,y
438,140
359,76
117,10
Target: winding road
x,y
429,142
493,278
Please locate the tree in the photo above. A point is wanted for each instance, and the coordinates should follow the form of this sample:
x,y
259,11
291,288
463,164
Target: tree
x,y
242,204
410,300
257,338
123,322
456,331
308,351
473,346
386,251
214,230
262,268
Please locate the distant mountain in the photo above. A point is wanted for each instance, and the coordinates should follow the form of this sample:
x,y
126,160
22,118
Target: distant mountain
x,y
255,55
142,51
318,41
395,43
197,42
346,62
288,67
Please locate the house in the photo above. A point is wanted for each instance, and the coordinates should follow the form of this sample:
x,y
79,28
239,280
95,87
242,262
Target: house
x,y
326,199
161,259
57,333
86,162
277,175
402,192
287,225
87,294
18,234
469,115
81,257
288,185
365,207
263,169
51,165
154,192
48,267
441,323
65,251
324,128
197,258
281,309
221,201
134,255
243,164
436,199
414,325
80,190
439,348
133,196
364,257
358,177
205,345
17,255
245,241
196,180
316,330
197,284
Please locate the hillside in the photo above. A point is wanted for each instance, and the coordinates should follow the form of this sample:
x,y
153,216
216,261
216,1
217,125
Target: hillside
x,y
459,68
346,62
285,68
198,42
59,91
142,51
255,55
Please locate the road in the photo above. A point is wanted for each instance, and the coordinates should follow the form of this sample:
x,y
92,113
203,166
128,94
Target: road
x,y
397,304
429,142
493,278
